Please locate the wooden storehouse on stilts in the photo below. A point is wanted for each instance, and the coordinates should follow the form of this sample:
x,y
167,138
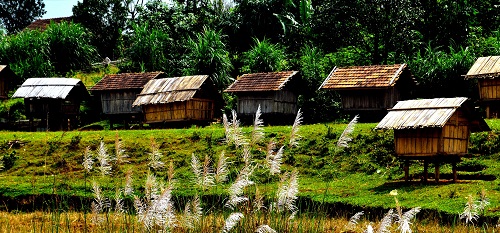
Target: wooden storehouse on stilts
x,y
487,71
117,93
273,91
179,101
433,130
370,90
56,101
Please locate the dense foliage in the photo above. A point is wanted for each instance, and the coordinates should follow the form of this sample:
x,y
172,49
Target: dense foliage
x,y
224,39
16,15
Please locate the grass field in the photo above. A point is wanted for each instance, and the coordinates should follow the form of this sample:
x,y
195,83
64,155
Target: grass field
x,y
44,172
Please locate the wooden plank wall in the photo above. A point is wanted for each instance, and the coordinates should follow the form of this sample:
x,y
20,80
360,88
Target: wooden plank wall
x,y
361,100
119,102
194,109
452,139
284,102
417,142
3,88
489,89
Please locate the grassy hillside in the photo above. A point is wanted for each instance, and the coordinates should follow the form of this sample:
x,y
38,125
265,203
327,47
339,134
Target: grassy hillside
x,y
42,166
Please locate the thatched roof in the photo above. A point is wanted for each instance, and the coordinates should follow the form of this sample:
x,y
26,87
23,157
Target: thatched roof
x,y
426,113
485,67
272,81
355,77
125,81
168,90
51,88
42,24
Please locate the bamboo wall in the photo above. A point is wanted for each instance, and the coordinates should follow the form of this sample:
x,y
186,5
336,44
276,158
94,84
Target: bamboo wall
x,y
194,109
452,139
282,102
119,102
489,89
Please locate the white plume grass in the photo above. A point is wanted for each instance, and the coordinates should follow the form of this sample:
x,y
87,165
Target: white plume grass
x,y
274,161
155,156
287,192
345,137
231,221
353,221
404,221
294,135
258,131
222,170
104,159
120,155
471,211
236,190
88,161
265,229
386,222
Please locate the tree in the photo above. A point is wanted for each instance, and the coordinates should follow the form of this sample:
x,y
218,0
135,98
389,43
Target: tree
x,y
208,55
150,50
106,20
69,47
264,57
17,14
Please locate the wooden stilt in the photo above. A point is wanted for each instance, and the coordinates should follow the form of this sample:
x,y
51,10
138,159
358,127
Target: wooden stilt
x,y
426,172
407,170
454,169
436,172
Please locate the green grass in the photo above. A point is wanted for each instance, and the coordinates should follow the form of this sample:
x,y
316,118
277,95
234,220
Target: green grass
x,y
360,176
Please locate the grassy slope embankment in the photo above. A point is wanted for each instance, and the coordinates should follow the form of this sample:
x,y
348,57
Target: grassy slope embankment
x,y
361,175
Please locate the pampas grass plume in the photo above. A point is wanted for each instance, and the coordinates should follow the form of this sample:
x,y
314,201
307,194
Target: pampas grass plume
x,y
231,221
294,135
345,137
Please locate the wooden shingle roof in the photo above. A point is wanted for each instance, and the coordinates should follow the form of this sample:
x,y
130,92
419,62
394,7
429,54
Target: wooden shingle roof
x,y
376,76
168,90
51,88
125,81
42,24
272,81
424,113
485,67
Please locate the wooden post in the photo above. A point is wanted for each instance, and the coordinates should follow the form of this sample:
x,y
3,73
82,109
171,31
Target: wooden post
x,y
488,111
407,170
454,169
426,173
436,172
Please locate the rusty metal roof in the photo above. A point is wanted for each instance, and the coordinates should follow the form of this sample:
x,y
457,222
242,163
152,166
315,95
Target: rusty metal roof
x,y
485,67
424,113
168,90
125,81
52,88
271,81
376,76
42,24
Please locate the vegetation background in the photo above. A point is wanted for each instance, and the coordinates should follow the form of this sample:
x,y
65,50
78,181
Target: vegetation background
x,y
439,39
